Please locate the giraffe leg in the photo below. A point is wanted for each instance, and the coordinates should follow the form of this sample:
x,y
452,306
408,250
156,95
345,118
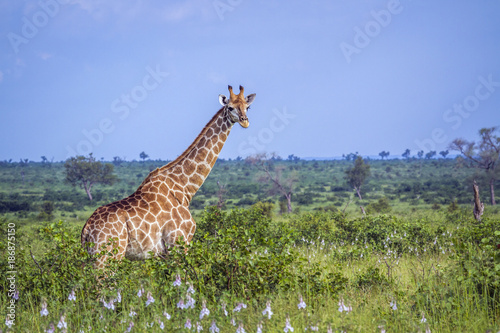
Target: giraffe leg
x,y
111,244
186,224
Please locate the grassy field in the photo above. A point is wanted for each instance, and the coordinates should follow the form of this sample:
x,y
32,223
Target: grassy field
x,y
420,263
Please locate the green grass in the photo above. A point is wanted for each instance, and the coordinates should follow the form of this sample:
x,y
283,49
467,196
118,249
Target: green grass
x,y
443,265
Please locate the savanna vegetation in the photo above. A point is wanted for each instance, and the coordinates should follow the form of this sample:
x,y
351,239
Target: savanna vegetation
x,y
413,259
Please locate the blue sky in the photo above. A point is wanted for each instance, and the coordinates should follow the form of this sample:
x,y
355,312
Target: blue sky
x,y
332,77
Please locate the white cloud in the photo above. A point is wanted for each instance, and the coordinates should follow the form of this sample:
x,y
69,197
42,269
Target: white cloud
x,y
217,77
45,55
132,9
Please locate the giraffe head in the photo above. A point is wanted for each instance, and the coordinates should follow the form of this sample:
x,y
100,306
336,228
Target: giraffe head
x,y
236,106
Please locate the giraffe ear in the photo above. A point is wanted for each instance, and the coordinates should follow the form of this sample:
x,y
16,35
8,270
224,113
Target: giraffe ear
x,y
223,100
250,99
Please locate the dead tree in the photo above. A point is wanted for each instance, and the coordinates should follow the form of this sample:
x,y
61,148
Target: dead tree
x,y
220,194
478,205
282,185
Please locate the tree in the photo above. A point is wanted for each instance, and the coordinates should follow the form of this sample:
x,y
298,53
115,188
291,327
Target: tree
x,y
406,154
420,154
87,171
282,185
46,211
117,160
430,154
384,154
143,156
350,156
444,153
357,175
483,154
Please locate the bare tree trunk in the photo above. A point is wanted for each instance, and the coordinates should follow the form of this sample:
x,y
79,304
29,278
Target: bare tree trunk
x,y
220,195
289,202
350,200
492,192
87,189
358,192
478,205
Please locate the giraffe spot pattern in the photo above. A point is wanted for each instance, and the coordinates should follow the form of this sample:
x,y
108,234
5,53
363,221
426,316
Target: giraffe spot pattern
x,y
157,214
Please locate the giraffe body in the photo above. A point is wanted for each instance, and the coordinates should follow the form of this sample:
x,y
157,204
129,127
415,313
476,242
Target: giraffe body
x,y
157,214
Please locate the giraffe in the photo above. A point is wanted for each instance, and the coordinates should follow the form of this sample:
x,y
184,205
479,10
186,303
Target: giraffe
x,y
157,214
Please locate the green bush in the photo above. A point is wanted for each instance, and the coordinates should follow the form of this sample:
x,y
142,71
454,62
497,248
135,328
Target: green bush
x,y
478,257
371,277
381,206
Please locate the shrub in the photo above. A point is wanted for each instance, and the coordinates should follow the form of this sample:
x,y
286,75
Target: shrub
x,y
381,206
478,257
370,278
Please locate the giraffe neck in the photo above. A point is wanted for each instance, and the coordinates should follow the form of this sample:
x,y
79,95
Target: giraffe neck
x,y
192,167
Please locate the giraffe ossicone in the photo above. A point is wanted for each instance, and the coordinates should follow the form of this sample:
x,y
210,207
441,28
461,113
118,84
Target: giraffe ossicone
x,y
157,214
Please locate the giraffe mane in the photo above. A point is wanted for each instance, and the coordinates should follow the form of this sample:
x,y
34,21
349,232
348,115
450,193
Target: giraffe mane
x,y
173,163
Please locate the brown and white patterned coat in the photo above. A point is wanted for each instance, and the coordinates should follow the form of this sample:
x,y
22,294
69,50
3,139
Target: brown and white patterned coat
x,y
157,214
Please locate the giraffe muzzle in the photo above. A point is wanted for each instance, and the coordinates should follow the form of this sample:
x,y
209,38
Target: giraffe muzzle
x,y
244,122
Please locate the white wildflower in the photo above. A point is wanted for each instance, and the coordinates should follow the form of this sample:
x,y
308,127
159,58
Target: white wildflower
x,y
268,310
108,305
44,311
188,324
190,302
51,328
62,322
288,327
118,298
239,307
213,328
302,304
204,311
72,296
150,299
240,329
224,308
343,307
191,289
177,281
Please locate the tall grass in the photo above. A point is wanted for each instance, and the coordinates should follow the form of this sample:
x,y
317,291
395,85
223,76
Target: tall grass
x,y
436,273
